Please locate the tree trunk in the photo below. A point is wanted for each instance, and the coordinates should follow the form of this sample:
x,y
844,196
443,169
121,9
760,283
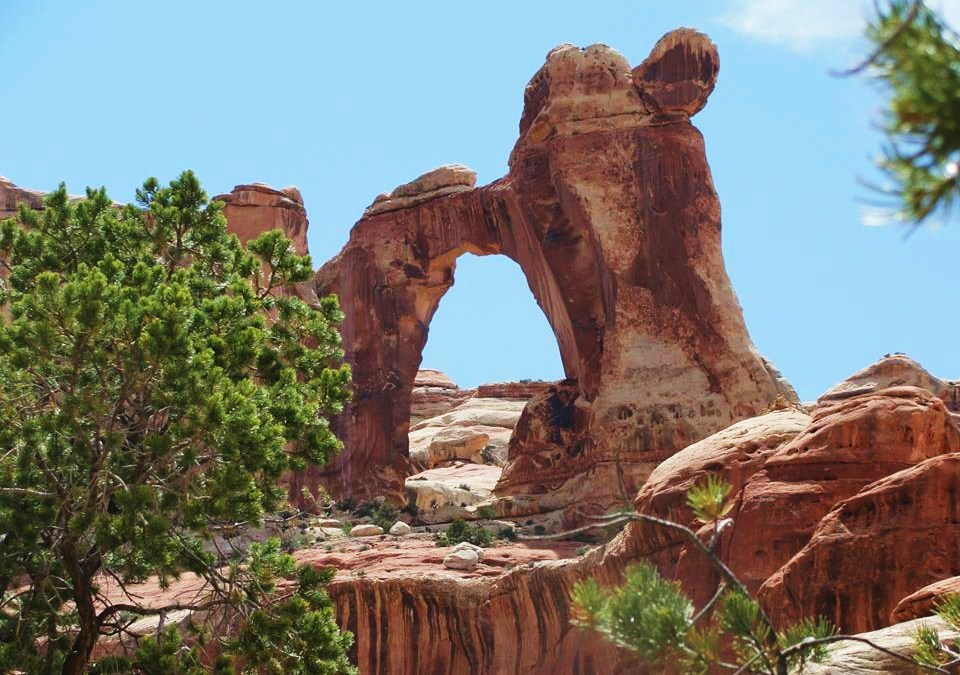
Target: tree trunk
x,y
79,655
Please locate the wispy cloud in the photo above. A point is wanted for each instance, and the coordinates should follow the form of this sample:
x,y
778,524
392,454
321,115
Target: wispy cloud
x,y
804,25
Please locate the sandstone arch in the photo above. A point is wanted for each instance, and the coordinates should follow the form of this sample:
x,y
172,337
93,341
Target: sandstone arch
x,y
610,210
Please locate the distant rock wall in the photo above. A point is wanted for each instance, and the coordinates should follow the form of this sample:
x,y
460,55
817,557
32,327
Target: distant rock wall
x,y
11,195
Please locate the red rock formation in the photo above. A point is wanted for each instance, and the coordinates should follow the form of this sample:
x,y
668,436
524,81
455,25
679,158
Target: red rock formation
x,y
610,211
849,443
520,391
895,536
434,378
254,209
893,370
11,195
434,394
512,613
509,615
735,455
922,603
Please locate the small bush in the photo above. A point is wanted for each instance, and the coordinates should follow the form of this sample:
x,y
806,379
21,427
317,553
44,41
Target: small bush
x,y
464,486
487,512
460,530
487,456
582,551
383,514
507,533
347,504
539,530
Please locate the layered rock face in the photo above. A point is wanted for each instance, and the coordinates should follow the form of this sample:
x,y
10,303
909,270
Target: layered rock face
x,y
254,209
847,445
921,603
462,447
434,394
11,195
789,471
610,210
897,535
511,614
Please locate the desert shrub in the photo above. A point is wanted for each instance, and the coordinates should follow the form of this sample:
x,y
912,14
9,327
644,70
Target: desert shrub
x,y
460,530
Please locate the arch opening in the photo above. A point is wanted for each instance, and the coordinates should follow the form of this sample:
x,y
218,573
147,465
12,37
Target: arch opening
x,y
489,328
489,349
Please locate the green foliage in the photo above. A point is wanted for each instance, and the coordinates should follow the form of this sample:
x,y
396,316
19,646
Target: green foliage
x,y
382,514
929,649
487,512
708,500
297,634
806,629
647,614
948,609
918,63
460,530
740,618
654,619
155,389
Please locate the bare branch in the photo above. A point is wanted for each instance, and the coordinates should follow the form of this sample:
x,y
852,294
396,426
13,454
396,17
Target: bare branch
x,y
814,642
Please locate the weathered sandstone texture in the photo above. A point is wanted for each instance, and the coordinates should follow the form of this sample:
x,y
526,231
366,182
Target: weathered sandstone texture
x,y
508,614
609,209
922,603
895,370
895,536
434,394
477,430
858,658
446,493
510,611
848,444
11,195
734,454
254,209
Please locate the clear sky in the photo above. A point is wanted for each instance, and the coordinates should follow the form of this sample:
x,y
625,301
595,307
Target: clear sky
x,y
349,99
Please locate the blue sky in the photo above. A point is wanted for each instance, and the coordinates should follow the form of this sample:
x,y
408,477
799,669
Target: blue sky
x,y
347,100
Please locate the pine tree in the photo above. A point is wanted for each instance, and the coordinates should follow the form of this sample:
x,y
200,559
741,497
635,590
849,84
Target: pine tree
x,y
154,388
916,60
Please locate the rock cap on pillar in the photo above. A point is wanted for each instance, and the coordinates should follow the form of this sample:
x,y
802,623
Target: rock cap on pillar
x,y
444,180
